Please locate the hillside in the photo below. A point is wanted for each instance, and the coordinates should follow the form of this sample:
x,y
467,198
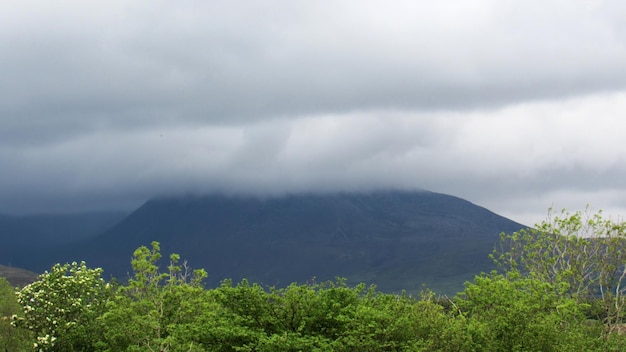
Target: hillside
x,y
397,240
17,276
32,241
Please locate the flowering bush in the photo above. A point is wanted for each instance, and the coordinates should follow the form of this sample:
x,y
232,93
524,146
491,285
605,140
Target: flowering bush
x,y
61,307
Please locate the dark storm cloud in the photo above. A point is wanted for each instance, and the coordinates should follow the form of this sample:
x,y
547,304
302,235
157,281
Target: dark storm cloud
x,y
112,103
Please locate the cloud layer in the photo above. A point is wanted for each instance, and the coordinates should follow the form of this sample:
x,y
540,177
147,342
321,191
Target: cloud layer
x,y
514,106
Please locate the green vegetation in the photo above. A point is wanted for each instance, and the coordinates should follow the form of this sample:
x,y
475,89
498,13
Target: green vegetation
x,y
11,338
62,308
560,288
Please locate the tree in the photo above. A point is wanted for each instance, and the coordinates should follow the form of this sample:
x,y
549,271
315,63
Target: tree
x,y
11,338
148,311
524,314
61,307
583,256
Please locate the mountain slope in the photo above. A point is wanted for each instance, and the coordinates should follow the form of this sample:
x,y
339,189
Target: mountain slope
x,y
32,241
397,240
16,276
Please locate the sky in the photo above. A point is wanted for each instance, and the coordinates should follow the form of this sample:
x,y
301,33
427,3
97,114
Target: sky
x,y
517,106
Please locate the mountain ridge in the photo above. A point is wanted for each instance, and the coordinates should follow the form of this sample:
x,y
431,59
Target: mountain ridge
x,y
397,240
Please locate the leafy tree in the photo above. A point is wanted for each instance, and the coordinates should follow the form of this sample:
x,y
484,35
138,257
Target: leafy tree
x,y
582,255
273,320
385,322
329,316
524,314
314,316
61,307
147,311
11,338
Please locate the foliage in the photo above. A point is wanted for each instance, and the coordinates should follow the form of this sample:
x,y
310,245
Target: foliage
x,y
11,338
144,313
559,291
582,255
61,307
524,314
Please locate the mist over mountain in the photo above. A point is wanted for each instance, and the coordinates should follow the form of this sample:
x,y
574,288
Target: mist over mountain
x,y
396,240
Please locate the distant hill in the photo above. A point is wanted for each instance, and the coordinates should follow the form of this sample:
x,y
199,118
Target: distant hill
x,y
397,240
28,240
16,276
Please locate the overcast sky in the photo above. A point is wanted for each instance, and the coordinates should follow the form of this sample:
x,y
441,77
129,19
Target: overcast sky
x,y
517,106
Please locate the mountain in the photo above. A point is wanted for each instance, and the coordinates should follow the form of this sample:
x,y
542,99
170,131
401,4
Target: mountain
x,y
396,240
28,240
17,276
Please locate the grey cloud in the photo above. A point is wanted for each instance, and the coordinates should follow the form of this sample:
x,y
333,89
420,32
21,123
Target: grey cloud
x,y
222,62
114,103
481,157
